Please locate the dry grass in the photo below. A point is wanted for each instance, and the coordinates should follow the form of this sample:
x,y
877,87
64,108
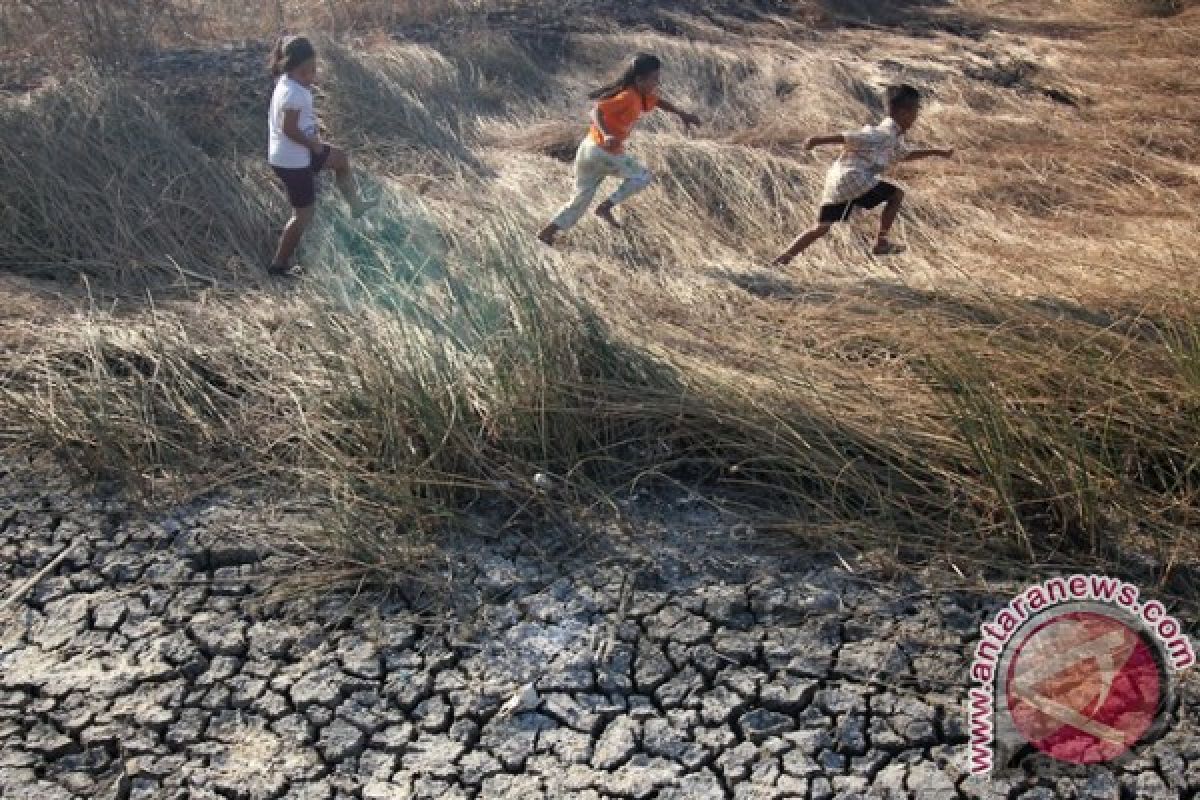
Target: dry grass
x,y
100,184
1023,386
108,29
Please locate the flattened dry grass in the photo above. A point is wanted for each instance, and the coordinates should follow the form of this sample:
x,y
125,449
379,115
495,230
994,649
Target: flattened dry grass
x,y
1022,387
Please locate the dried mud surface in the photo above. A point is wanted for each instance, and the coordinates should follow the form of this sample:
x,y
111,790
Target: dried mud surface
x,y
691,661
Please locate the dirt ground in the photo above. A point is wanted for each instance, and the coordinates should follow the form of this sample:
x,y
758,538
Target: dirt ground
x,y
685,659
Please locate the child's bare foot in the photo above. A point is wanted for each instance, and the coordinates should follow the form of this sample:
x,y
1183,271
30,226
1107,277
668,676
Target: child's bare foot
x,y
548,234
604,212
886,247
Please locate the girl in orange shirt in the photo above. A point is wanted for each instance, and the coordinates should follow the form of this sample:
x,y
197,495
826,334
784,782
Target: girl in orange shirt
x,y
619,105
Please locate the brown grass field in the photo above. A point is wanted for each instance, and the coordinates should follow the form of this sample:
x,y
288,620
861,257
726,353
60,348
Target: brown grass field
x,y
1020,389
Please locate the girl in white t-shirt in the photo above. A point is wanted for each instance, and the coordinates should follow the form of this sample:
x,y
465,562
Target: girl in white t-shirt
x,y
296,151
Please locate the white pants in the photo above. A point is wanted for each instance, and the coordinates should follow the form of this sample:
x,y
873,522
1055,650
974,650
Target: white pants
x,y
592,165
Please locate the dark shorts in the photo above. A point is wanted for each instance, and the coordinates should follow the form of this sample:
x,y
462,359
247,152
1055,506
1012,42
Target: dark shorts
x,y
300,183
838,212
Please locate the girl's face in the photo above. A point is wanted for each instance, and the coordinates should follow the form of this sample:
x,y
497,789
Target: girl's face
x,y
306,73
648,83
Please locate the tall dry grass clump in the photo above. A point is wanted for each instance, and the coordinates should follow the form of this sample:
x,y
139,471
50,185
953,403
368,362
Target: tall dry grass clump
x,y
98,182
405,394
416,371
391,107
1081,441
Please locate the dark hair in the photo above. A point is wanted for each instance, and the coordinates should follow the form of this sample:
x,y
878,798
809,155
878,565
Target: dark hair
x,y
289,53
643,64
902,97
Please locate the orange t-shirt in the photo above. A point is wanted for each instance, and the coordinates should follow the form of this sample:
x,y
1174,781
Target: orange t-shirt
x,y
620,113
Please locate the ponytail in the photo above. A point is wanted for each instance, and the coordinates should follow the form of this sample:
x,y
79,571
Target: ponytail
x,y
642,64
290,52
277,58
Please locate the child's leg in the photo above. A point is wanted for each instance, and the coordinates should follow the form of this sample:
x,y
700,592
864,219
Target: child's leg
x,y
585,192
882,245
590,172
301,217
343,175
637,178
802,243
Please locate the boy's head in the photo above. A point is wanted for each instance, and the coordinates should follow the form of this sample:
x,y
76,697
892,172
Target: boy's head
x,y
903,104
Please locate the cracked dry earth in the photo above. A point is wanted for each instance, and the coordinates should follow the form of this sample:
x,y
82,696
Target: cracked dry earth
x,y
149,663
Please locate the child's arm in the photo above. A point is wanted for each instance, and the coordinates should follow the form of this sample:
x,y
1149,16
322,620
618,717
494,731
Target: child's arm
x,y
918,154
598,121
669,107
821,141
291,129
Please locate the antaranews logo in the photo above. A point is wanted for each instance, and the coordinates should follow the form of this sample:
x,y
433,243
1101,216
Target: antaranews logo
x,y
1078,668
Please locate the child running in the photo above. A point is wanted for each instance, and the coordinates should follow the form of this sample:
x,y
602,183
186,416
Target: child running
x,y
854,180
295,150
619,105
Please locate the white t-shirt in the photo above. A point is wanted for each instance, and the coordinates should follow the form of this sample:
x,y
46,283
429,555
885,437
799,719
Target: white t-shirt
x,y
866,156
282,151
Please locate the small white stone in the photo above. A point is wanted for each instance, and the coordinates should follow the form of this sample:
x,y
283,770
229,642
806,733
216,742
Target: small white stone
x,y
524,699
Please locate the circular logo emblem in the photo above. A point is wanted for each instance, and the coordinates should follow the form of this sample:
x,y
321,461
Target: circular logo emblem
x,y
1083,687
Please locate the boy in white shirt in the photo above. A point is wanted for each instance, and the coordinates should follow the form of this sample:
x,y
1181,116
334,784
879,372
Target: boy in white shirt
x,y
855,179
295,150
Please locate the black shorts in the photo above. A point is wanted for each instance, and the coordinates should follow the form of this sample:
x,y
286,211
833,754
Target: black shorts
x,y
838,212
300,183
